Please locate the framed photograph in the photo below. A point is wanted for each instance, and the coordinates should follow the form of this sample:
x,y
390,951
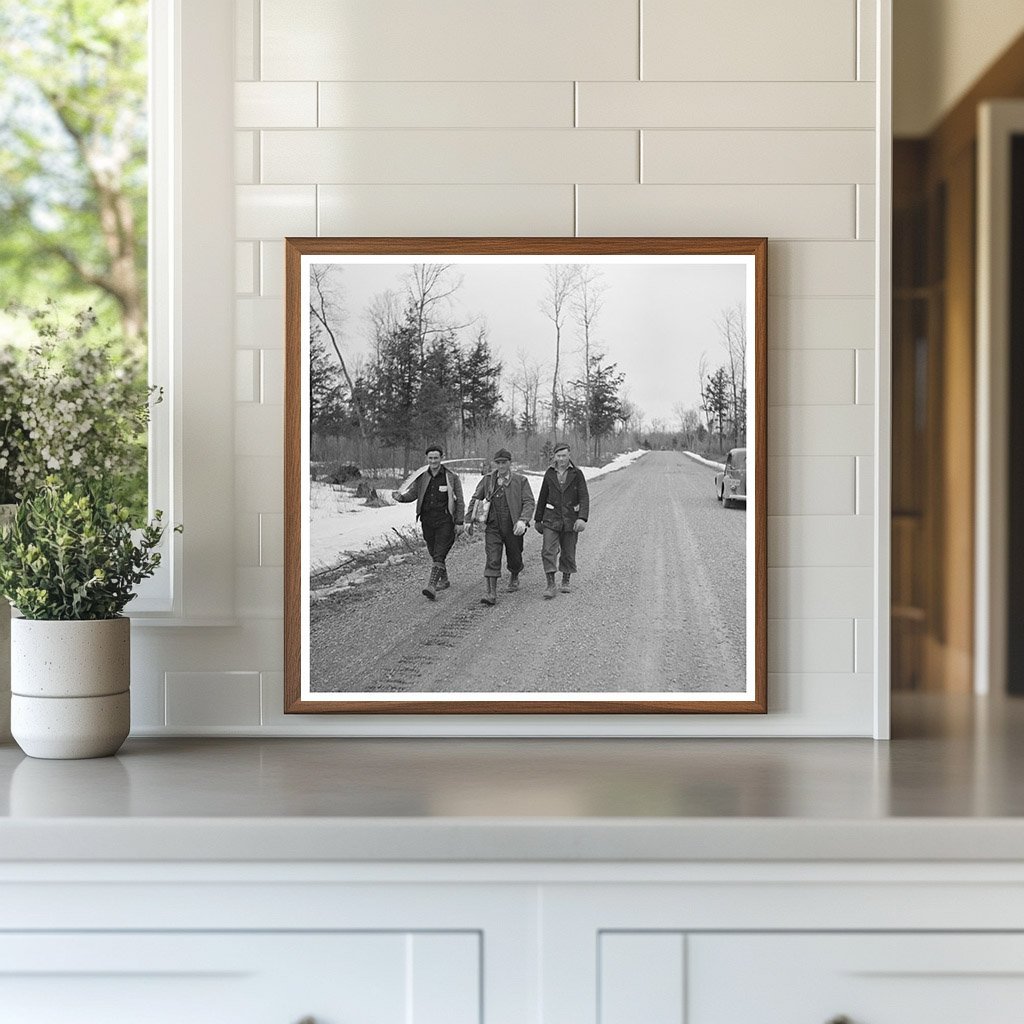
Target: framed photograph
x,y
525,475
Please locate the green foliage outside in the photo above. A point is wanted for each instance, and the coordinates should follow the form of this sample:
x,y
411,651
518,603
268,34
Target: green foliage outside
x,y
72,554
73,225
71,408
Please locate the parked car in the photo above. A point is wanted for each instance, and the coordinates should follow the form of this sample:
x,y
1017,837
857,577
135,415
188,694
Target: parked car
x,y
731,483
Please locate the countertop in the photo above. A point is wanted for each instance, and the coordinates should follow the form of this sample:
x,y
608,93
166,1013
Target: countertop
x,y
948,787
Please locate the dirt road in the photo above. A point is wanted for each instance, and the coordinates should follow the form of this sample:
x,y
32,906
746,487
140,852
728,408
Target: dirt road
x,y
658,605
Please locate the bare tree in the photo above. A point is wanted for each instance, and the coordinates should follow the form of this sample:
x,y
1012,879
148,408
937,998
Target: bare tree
x,y
327,309
732,326
383,317
702,375
527,382
586,306
429,287
562,281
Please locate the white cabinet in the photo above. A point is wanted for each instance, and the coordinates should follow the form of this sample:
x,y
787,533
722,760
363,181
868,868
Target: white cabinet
x,y
869,979
241,978
511,943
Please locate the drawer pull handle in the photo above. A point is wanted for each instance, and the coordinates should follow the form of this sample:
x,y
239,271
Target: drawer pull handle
x,y
841,1019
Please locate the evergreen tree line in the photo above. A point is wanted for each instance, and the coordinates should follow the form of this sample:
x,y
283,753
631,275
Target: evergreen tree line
x,y
431,379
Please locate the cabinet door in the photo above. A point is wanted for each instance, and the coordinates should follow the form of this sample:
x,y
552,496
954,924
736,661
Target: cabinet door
x,y
863,978
242,978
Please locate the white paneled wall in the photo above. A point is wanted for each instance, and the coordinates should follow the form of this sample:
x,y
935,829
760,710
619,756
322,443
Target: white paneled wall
x,y
593,117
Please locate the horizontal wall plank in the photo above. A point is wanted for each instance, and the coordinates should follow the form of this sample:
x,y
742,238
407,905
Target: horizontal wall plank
x,y
864,633
447,210
807,322
247,539
247,375
821,430
757,157
865,376
271,538
449,40
865,485
447,105
259,484
246,50
259,429
811,645
820,592
822,268
449,157
245,268
800,704
772,211
726,105
808,540
260,592
271,376
271,268
259,323
808,485
270,211
811,377
245,158
275,104
867,25
204,699
735,40
832,703
866,211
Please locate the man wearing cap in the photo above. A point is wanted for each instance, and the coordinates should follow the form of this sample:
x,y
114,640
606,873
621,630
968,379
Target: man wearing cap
x,y
503,502
440,510
563,507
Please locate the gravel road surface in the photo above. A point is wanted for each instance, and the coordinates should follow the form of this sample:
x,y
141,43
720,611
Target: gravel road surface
x,y
658,605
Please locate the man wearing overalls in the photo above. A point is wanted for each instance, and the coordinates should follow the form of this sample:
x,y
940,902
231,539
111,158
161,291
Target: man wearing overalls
x,y
509,511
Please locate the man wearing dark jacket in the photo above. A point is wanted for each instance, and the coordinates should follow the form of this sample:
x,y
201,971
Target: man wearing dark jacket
x,y
563,507
440,510
503,502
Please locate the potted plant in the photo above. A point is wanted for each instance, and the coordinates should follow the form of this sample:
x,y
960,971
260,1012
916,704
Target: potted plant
x,y
69,563
73,404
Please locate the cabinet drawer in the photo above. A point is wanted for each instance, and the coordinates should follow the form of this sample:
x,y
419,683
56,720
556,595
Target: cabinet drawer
x,y
867,978
242,978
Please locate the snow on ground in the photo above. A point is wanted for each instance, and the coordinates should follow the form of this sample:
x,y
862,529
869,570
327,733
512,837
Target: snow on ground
x,y
706,462
340,524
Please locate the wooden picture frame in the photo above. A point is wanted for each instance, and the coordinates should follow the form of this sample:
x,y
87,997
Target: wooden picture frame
x,y
361,637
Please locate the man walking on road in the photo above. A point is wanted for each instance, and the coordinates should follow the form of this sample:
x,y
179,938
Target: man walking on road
x,y
503,501
440,510
563,507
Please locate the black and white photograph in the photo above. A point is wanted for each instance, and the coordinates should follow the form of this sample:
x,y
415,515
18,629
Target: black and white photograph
x,y
524,481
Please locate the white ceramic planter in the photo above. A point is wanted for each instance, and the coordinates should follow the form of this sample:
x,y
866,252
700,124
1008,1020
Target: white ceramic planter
x,y
69,683
6,515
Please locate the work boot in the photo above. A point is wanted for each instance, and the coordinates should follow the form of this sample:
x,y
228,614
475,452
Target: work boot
x,y
565,583
513,584
491,597
443,583
550,592
430,590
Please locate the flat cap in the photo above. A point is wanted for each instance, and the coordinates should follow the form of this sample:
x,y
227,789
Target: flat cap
x,y
563,447
502,453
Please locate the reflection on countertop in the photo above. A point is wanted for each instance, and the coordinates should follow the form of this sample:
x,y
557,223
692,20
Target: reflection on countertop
x,y
949,758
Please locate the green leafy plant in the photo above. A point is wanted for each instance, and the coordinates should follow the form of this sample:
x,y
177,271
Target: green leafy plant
x,y
75,407
72,554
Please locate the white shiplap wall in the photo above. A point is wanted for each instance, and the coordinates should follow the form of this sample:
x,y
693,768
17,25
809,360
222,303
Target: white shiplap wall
x,y
593,117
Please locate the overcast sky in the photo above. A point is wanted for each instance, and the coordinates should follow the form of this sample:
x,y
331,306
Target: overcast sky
x,y
655,321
